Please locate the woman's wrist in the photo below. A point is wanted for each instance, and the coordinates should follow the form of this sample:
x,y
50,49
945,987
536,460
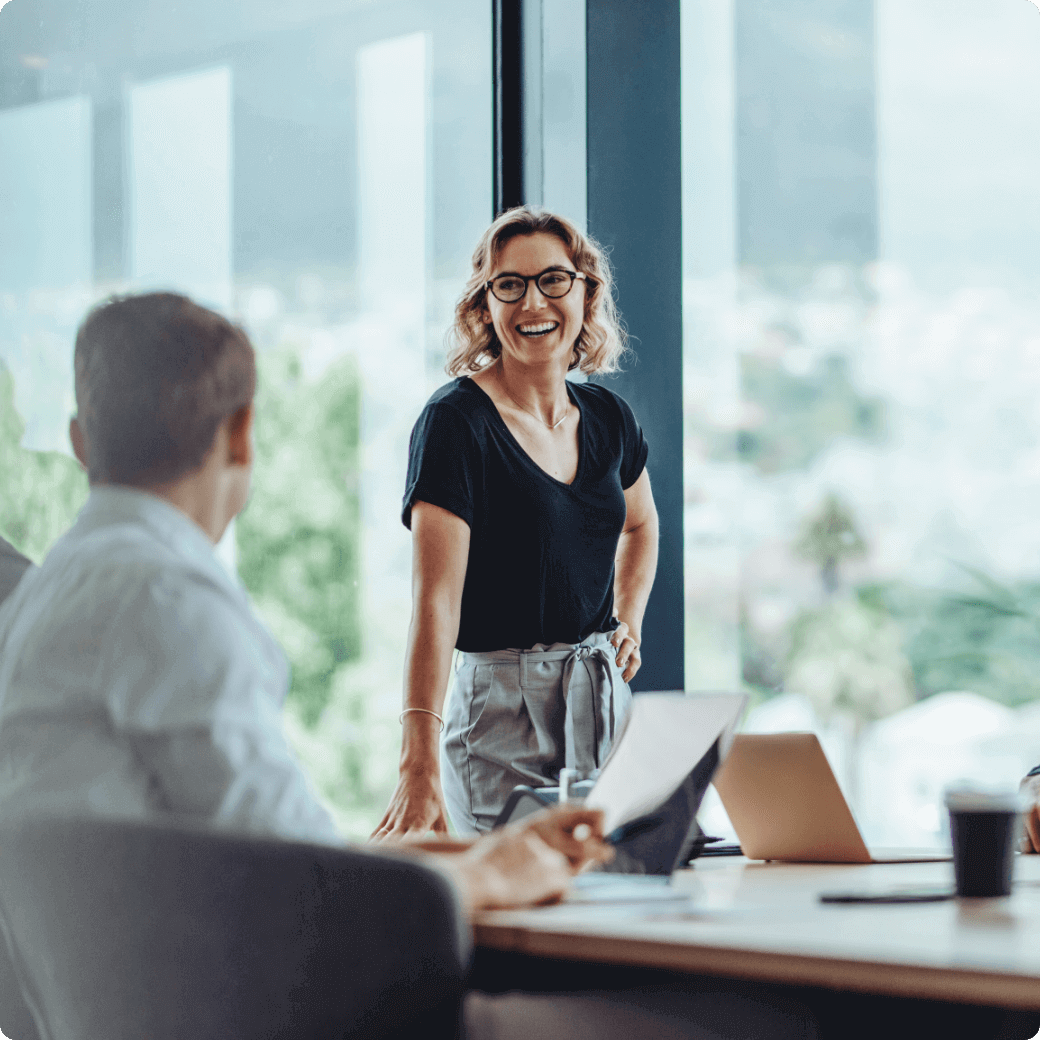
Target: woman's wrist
x,y
420,754
634,628
420,742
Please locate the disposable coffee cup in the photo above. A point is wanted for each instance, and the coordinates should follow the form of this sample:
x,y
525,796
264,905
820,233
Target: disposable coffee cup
x,y
984,828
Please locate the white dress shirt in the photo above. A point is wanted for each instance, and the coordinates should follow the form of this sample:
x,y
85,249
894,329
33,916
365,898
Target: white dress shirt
x,y
136,681
12,566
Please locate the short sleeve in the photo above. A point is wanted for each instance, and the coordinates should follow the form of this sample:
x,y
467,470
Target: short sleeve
x,y
443,459
634,448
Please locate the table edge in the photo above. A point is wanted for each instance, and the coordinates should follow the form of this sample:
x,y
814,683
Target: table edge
x,y
957,985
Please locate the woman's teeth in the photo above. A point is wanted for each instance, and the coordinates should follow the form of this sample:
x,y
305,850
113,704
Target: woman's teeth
x,y
537,330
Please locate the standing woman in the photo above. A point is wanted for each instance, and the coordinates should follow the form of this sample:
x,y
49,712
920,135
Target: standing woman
x,y
534,536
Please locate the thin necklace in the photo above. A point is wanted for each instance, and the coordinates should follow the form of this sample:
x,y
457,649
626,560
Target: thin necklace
x,y
532,414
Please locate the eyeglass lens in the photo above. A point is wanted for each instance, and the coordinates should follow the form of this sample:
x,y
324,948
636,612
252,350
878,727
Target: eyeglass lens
x,y
511,287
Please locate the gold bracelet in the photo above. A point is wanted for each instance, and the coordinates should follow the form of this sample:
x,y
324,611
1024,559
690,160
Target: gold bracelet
x,y
425,711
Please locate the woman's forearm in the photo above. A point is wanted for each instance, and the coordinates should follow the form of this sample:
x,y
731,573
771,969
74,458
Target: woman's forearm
x,y
431,640
634,569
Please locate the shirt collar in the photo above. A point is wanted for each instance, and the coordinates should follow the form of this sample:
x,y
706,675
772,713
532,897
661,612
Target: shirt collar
x,y
112,504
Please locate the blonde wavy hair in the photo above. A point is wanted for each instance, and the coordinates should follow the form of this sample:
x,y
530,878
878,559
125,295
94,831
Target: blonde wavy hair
x,y
473,343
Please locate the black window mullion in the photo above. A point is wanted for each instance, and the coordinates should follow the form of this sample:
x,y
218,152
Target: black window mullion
x,y
635,210
508,143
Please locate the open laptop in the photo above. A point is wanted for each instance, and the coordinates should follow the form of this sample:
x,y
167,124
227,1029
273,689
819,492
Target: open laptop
x,y
785,804
650,788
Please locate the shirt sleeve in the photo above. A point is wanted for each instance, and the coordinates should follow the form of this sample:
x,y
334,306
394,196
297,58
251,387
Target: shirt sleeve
x,y
198,688
634,449
442,463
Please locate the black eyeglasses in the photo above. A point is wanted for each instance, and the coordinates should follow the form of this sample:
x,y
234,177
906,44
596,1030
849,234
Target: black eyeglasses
x,y
553,283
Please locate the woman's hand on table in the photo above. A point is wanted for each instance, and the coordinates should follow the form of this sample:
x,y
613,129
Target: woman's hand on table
x,y
416,808
626,644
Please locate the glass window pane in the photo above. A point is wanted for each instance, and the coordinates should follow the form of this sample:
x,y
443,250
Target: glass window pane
x,y
320,171
861,316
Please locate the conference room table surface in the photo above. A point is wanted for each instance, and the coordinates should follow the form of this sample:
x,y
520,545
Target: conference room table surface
x,y
752,920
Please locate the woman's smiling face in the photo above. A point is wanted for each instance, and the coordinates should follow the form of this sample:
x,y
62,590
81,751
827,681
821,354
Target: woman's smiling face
x,y
536,328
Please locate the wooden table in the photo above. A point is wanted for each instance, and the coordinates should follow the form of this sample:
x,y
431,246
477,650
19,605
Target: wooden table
x,y
764,921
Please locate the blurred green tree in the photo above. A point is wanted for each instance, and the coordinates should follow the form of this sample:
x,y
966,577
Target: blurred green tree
x,y
828,538
40,491
298,538
986,639
848,657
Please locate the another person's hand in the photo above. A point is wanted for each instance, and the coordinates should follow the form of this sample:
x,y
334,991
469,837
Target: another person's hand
x,y
510,867
531,861
416,808
626,643
557,827
1030,789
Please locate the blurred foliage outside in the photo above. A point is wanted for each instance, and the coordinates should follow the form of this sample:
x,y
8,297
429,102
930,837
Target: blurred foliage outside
x,y
298,543
878,647
847,657
42,490
986,640
799,415
297,539
869,649
828,539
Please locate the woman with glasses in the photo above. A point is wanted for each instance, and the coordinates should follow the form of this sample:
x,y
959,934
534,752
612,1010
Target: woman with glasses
x,y
534,535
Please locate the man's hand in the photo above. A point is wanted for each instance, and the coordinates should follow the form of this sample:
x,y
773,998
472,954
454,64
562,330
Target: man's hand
x,y
416,808
1030,790
529,862
557,827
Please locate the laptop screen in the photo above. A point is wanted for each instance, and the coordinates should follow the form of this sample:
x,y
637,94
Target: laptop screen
x,y
663,840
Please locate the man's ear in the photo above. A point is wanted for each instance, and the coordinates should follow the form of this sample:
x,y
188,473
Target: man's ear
x,y
79,442
240,436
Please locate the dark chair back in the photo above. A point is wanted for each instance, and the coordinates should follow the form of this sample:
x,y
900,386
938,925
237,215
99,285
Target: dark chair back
x,y
124,931
16,1019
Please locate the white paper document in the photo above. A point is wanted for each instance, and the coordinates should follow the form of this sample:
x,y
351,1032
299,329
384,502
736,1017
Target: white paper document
x,y
662,738
626,888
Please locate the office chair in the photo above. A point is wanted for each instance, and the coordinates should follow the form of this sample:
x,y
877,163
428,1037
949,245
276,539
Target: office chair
x,y
126,930
16,1020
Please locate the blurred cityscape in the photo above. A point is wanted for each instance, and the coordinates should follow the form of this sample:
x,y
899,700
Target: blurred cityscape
x,y
862,328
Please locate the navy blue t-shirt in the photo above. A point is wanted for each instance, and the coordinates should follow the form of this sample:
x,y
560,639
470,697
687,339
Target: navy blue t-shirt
x,y
541,552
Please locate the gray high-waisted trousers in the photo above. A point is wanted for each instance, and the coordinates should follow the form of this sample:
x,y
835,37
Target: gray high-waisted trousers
x,y
520,716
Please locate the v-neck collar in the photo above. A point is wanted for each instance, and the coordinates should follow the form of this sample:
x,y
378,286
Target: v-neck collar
x,y
520,448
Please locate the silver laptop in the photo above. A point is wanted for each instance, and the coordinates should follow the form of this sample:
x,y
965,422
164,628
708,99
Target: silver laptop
x,y
785,804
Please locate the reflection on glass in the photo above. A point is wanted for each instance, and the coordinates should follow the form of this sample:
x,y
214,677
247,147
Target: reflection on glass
x,y
179,139
861,359
554,117
321,174
46,256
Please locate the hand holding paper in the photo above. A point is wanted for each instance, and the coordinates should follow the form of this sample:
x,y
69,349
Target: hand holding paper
x,y
662,738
